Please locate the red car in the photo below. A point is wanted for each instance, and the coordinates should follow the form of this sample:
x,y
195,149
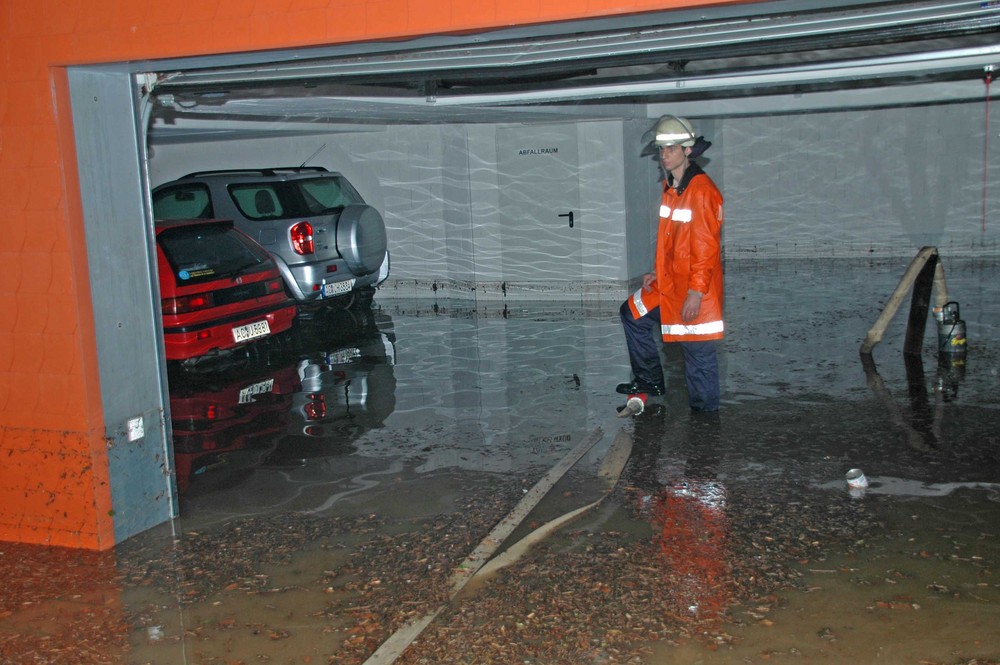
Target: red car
x,y
219,289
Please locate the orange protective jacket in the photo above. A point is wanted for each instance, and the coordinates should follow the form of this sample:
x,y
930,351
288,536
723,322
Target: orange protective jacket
x,y
688,258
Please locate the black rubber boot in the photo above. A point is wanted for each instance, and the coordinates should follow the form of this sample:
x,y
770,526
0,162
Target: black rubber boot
x,y
639,386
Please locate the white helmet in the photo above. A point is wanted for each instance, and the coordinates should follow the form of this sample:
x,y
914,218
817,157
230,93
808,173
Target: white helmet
x,y
671,130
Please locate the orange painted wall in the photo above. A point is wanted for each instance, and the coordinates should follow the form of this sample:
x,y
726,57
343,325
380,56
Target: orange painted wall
x,y
53,469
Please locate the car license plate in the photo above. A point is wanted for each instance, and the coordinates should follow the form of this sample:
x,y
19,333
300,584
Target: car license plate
x,y
342,356
260,388
251,331
337,288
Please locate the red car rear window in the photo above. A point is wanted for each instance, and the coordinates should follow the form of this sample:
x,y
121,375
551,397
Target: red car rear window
x,y
204,252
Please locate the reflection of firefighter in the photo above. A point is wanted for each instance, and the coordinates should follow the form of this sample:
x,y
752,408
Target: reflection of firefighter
x,y
686,505
691,531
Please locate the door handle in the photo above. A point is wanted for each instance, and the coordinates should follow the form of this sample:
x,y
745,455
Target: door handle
x,y
570,215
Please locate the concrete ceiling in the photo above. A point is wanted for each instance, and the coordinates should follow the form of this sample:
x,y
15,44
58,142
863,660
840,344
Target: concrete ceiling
x,y
768,57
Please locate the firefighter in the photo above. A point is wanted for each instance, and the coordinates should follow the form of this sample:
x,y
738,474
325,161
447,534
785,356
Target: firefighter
x,y
682,297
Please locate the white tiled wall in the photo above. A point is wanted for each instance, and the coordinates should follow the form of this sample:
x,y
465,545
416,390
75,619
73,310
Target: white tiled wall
x,y
857,183
854,183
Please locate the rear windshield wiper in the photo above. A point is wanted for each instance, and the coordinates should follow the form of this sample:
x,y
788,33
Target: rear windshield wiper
x,y
242,268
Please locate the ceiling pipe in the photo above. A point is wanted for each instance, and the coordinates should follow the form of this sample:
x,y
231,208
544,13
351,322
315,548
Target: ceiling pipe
x,y
921,66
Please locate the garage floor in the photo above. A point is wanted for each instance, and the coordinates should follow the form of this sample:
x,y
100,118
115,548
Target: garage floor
x,y
332,485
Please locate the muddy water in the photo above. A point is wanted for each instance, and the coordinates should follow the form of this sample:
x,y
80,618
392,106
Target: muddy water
x,y
924,588
378,449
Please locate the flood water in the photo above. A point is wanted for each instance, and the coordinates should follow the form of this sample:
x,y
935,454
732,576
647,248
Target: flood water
x,y
331,485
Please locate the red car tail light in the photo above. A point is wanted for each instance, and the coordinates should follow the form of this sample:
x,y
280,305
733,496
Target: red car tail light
x,y
274,285
302,238
186,304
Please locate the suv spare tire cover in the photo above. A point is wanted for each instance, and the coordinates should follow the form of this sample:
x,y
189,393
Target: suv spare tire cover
x,y
361,238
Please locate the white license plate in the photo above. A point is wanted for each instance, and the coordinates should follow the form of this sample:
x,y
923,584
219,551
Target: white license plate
x,y
342,356
251,331
259,388
337,288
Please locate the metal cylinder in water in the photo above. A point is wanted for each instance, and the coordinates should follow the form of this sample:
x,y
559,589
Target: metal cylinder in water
x,y
951,329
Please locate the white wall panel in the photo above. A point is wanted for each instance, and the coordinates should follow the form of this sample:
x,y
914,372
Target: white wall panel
x,y
438,188
837,184
602,201
877,182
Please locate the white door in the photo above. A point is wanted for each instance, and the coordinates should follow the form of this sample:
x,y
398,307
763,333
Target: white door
x,y
539,202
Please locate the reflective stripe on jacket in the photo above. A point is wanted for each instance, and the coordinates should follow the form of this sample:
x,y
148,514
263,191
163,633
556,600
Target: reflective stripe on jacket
x,y
688,258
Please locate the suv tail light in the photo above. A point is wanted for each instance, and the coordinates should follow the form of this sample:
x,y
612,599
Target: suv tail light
x,y
302,238
186,303
315,408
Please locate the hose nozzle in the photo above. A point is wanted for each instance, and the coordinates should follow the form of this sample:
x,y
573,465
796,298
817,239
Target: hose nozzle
x,y
634,406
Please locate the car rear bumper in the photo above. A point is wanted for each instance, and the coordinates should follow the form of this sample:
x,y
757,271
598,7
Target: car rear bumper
x,y
305,280
182,342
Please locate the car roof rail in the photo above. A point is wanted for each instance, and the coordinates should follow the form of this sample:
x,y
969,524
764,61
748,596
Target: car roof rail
x,y
262,172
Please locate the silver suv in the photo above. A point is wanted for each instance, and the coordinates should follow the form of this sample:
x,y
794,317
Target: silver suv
x,y
327,242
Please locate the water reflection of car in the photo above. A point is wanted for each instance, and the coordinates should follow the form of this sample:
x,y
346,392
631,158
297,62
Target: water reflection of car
x,y
218,288
227,424
344,391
